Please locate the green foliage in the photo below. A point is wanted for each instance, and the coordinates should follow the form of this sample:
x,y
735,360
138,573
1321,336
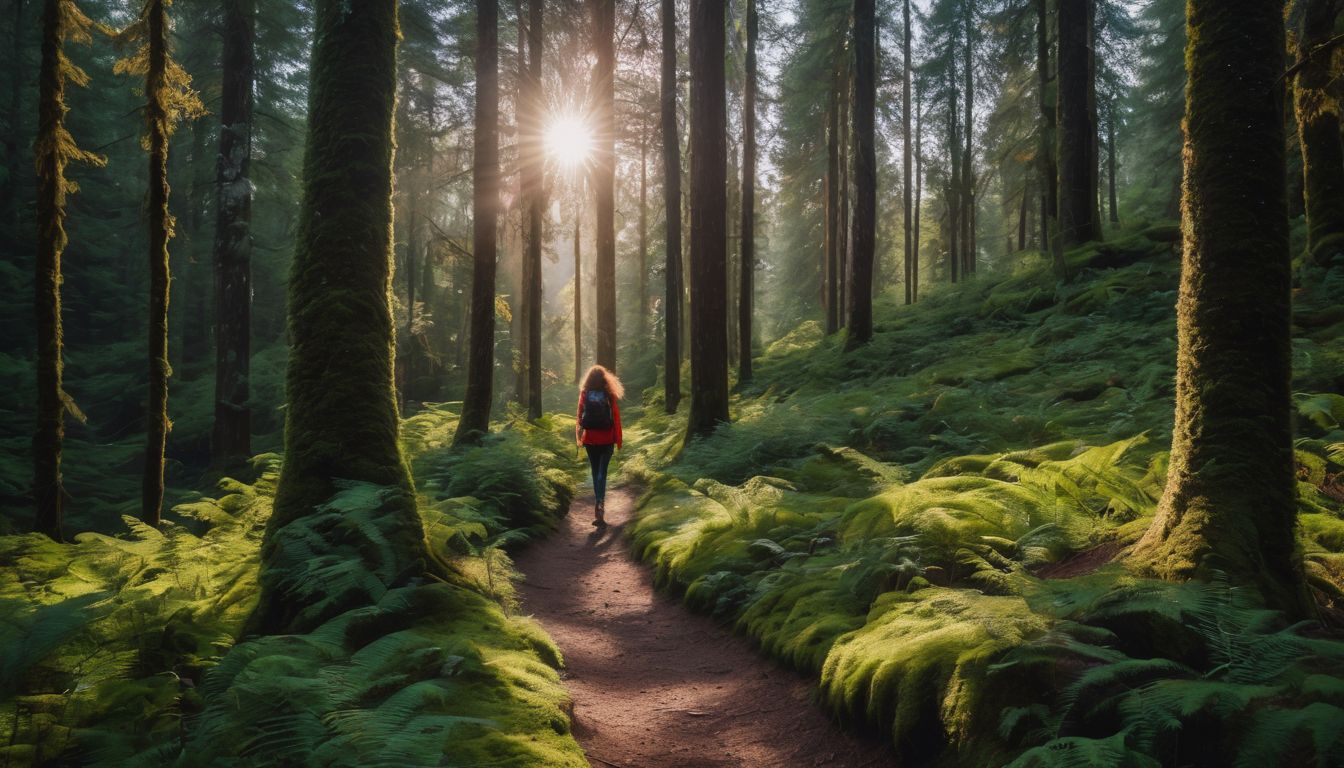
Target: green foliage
x,y
904,523
125,650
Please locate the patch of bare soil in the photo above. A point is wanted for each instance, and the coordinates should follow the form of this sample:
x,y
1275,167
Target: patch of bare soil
x,y
656,686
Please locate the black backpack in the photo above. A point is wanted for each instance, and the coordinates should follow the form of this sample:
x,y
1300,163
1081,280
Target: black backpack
x,y
596,410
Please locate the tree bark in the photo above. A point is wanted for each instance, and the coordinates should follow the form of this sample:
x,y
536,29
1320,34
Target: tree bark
x,y
578,295
831,206
1048,171
231,436
604,44
53,149
709,205
160,231
842,225
860,322
1077,128
475,421
919,197
642,321
967,161
954,196
907,164
533,194
1318,128
1112,164
17,82
667,87
1229,510
746,290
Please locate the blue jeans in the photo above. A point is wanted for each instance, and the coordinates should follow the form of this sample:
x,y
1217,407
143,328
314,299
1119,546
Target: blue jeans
x,y
599,456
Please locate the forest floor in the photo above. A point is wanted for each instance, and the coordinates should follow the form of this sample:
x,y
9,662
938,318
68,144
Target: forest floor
x,y
656,686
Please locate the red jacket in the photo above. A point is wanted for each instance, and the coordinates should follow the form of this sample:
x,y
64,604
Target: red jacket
x,y
600,436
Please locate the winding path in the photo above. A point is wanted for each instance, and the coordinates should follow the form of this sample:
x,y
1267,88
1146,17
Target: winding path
x,y
656,686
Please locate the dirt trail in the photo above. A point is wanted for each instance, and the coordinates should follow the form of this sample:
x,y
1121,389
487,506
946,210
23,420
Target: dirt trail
x,y
656,686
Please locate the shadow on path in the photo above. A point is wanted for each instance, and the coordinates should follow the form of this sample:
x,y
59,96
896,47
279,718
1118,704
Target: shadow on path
x,y
656,686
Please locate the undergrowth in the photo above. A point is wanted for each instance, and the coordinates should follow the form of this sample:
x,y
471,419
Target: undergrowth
x,y
125,650
920,525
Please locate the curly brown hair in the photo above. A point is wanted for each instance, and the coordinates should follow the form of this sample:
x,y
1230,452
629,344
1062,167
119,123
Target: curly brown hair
x,y
599,377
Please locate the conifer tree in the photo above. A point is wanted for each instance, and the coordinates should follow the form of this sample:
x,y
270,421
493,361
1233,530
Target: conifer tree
x,y
169,99
860,295
54,149
672,297
475,420
1077,126
341,420
709,207
746,283
1230,500
1311,25
604,178
907,165
231,437
532,193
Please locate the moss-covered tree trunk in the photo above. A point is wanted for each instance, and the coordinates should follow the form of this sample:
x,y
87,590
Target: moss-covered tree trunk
x,y
604,178
746,282
1312,23
1230,500
342,419
709,219
53,149
1077,127
231,440
160,232
672,293
860,305
475,420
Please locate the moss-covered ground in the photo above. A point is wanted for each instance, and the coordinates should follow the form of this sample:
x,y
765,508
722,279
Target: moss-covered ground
x,y
927,524
124,649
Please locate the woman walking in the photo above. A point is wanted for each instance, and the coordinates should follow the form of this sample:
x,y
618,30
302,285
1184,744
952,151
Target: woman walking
x,y
598,428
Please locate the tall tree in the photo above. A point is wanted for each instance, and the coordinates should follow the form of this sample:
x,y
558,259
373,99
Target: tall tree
x,y
578,293
231,437
1048,173
533,195
17,84
968,253
643,276
667,98
54,149
860,303
1077,126
1230,499
1312,23
831,257
604,178
709,218
342,420
746,284
168,98
475,421
907,165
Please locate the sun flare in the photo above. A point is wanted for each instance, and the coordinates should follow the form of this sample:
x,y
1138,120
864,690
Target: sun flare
x,y
569,140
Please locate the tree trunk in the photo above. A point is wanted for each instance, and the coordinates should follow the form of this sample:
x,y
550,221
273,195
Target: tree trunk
x,y
533,193
860,304
907,164
17,82
604,44
1318,129
919,197
475,421
54,149
1048,171
667,86
967,162
642,321
709,206
830,298
746,284
1022,218
1229,510
1112,164
842,225
1077,129
954,197
578,294
231,441
160,230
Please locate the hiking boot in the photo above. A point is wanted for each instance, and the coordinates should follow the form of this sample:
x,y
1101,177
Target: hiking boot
x,y
598,515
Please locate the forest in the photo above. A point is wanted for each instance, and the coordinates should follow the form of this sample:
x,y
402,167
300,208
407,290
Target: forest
x,y
982,364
